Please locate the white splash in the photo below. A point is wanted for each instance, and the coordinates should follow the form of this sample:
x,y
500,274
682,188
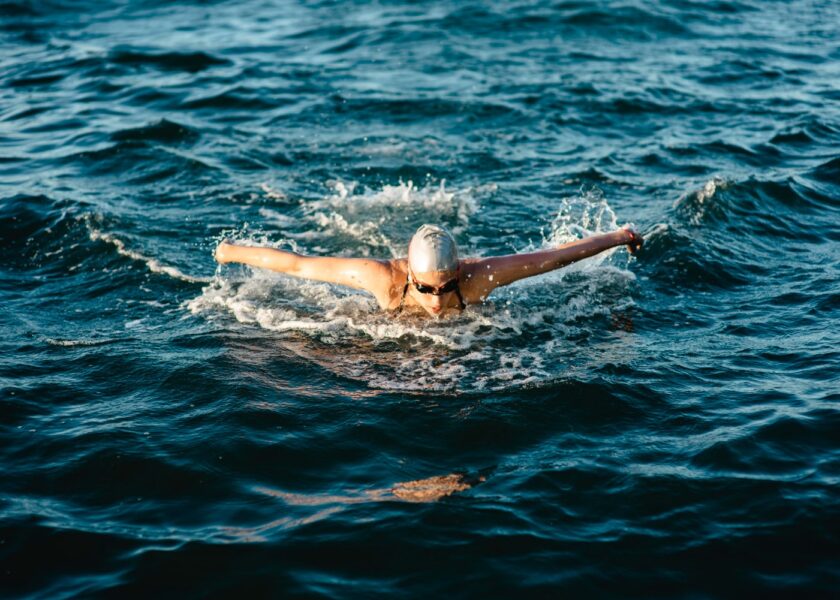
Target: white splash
x,y
370,213
585,214
74,343
272,193
580,216
376,222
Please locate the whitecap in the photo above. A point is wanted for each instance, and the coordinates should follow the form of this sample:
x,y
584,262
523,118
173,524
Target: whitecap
x,y
697,202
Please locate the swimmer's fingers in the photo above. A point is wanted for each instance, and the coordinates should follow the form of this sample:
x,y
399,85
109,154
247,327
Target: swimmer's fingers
x,y
634,239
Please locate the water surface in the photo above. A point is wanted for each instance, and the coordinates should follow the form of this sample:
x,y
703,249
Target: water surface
x,y
661,425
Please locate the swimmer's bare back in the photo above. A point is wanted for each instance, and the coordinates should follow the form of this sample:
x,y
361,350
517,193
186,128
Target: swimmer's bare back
x,y
393,287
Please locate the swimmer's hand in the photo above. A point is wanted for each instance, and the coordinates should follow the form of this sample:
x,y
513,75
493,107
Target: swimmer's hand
x,y
222,254
634,239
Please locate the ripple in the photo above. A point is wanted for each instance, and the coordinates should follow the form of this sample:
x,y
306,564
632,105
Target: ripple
x,y
17,9
828,172
162,131
33,232
409,109
138,162
35,81
773,449
627,18
684,262
190,62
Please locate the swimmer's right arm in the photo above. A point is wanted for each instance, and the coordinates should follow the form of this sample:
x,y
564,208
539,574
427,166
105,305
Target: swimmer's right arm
x,y
360,273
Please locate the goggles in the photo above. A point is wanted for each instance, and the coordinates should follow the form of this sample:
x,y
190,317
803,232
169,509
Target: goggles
x,y
449,286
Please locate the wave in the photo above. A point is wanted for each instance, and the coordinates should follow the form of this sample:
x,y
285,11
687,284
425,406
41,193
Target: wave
x,y
727,233
629,20
47,237
164,130
139,162
573,18
34,232
807,130
763,208
778,446
681,258
409,109
190,62
236,98
153,264
36,80
828,172
64,343
18,9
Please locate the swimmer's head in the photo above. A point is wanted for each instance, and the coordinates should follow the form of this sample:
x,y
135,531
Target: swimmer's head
x,y
432,248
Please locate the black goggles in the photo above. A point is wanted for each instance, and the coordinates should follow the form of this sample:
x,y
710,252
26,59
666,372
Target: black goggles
x,y
449,286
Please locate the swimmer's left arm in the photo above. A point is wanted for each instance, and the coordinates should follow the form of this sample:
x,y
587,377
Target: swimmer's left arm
x,y
486,274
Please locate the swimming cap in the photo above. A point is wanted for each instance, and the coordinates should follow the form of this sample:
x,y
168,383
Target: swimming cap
x,y
432,248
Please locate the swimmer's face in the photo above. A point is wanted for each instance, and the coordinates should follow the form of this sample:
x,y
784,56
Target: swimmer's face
x,y
433,290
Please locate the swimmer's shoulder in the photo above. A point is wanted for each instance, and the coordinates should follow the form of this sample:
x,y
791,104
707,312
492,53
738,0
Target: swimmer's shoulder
x,y
474,281
396,280
398,268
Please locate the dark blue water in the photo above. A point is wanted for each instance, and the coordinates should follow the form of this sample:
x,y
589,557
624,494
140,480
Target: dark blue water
x,y
663,425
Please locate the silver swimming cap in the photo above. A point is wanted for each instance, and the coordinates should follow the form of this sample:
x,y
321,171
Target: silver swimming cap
x,y
432,248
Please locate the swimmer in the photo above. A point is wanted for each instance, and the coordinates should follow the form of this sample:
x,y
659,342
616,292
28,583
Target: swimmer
x,y
433,277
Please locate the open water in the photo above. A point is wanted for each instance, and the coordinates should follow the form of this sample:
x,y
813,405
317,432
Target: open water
x,y
662,425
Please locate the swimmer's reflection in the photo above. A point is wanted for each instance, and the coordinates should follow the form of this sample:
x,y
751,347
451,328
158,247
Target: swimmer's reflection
x,y
356,358
622,319
430,489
